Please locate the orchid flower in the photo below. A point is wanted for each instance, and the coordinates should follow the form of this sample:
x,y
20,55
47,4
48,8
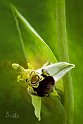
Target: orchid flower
x,y
42,82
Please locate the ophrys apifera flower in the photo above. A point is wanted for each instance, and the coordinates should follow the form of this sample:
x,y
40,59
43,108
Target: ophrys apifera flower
x,y
41,82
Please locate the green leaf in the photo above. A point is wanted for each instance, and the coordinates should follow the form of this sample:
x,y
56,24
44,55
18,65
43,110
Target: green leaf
x,y
36,51
36,101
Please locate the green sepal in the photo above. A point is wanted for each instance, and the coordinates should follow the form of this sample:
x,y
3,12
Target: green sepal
x,y
36,102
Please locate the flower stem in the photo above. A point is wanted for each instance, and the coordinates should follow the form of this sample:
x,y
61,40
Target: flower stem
x,y
64,56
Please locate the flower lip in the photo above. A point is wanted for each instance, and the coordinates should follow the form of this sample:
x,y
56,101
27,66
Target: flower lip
x,y
45,86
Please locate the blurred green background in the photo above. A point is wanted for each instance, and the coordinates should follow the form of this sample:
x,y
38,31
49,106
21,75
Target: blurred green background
x,y
41,14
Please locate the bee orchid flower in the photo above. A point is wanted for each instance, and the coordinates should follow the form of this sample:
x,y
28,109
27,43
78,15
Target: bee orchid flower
x,y
41,82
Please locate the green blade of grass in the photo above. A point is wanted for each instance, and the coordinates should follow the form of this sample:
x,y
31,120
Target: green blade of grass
x,y
63,50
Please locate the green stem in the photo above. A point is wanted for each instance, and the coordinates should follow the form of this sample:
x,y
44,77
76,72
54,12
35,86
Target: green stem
x,y
63,50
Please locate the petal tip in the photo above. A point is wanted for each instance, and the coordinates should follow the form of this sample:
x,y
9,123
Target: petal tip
x,y
73,65
15,66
